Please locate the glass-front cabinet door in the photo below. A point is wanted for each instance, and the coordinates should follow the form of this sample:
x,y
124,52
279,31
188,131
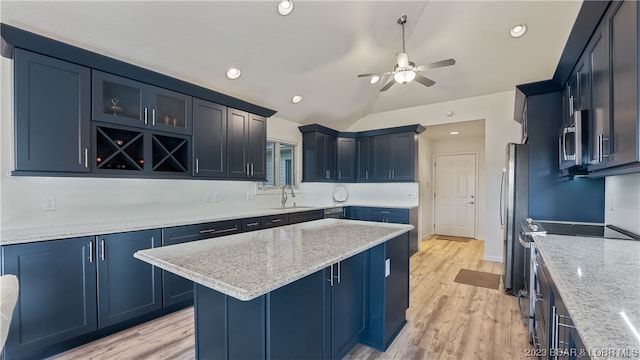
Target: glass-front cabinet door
x,y
170,111
119,100
127,102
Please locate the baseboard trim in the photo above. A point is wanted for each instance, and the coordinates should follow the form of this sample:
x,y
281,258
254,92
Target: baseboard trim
x,y
480,238
493,258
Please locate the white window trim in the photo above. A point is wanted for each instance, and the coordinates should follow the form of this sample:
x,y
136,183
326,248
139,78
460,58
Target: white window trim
x,y
276,160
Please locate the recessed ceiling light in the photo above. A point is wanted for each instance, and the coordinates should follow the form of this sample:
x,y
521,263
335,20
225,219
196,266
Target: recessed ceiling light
x,y
234,73
296,99
285,7
374,79
454,133
518,30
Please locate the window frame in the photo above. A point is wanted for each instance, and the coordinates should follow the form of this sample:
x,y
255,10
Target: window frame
x,y
276,169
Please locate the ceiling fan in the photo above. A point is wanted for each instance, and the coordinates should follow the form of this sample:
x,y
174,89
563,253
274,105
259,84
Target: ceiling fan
x,y
405,71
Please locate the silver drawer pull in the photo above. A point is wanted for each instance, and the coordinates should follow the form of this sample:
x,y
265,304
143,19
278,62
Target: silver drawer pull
x,y
385,212
210,231
253,224
276,220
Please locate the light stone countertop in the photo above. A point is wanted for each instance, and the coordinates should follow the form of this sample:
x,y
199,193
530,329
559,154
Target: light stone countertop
x,y
249,265
34,234
599,282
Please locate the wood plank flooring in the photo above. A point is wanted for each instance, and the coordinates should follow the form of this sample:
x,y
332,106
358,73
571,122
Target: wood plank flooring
x,y
446,320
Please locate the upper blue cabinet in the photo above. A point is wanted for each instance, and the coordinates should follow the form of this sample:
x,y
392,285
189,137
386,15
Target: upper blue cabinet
x,y
52,115
128,102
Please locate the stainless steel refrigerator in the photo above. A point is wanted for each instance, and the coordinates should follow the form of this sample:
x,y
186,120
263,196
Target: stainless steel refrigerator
x,y
514,208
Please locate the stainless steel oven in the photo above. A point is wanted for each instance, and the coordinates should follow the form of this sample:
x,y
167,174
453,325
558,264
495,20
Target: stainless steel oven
x,y
572,143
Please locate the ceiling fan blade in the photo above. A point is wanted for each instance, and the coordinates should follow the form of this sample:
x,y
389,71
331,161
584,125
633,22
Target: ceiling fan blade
x,y
424,81
437,64
366,75
389,84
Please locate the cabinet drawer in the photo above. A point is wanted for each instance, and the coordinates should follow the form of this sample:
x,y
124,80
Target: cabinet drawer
x,y
251,224
182,234
275,220
299,217
398,216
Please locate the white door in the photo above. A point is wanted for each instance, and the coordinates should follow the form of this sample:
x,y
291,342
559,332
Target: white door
x,y
455,195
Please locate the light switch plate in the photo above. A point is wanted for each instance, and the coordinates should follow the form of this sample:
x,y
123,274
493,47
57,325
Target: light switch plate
x,y
387,267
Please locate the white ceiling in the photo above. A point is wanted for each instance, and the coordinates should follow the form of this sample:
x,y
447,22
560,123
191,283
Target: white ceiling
x,y
319,49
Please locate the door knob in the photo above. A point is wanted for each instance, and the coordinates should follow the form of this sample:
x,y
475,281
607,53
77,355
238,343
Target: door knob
x,y
470,203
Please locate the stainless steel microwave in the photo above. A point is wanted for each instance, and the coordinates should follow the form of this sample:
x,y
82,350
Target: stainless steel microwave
x,y
572,143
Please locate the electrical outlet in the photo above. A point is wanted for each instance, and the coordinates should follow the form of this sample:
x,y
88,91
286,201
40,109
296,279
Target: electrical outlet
x,y
411,195
208,197
216,196
49,203
251,196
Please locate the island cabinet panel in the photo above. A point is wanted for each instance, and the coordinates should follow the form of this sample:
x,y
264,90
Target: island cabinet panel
x,y
176,289
127,287
52,117
347,304
320,316
388,292
57,298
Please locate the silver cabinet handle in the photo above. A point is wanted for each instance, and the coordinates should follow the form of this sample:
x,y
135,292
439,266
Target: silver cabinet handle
x,y
366,174
253,224
276,221
570,104
197,165
153,117
146,116
393,174
210,231
251,169
389,174
385,212
330,280
91,251
86,158
339,272
102,250
247,169
339,174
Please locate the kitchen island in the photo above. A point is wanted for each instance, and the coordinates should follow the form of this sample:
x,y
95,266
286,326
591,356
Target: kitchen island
x,y
599,281
310,290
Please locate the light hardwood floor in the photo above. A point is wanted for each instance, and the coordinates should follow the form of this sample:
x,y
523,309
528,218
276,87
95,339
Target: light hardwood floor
x,y
446,320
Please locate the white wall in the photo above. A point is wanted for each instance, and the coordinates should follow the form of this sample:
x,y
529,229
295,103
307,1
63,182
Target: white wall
x,y
468,146
425,214
500,128
622,202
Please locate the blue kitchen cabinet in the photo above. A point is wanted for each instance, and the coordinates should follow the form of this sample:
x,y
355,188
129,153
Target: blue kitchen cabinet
x,y
304,216
320,316
319,156
52,115
57,299
274,220
347,303
394,157
363,159
127,287
123,101
209,139
176,289
390,215
346,159
246,145
388,292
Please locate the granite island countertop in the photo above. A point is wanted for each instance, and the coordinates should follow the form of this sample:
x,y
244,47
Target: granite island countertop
x,y
249,265
599,282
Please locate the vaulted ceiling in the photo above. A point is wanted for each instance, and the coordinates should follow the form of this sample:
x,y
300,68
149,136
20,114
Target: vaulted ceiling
x,y
319,49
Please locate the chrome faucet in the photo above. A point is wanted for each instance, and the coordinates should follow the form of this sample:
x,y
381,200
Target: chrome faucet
x,y
284,195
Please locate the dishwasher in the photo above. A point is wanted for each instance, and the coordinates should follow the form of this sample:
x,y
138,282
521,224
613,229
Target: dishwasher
x,y
335,212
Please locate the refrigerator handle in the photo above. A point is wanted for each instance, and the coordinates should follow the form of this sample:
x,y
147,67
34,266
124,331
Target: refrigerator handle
x,y
504,172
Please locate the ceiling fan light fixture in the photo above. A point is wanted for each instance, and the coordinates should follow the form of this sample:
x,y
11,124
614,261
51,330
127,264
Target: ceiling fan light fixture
x,y
285,7
296,99
454,133
518,30
374,79
233,73
404,76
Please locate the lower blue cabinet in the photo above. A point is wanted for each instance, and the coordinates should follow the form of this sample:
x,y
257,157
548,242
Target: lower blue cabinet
x,y
57,299
388,292
127,287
